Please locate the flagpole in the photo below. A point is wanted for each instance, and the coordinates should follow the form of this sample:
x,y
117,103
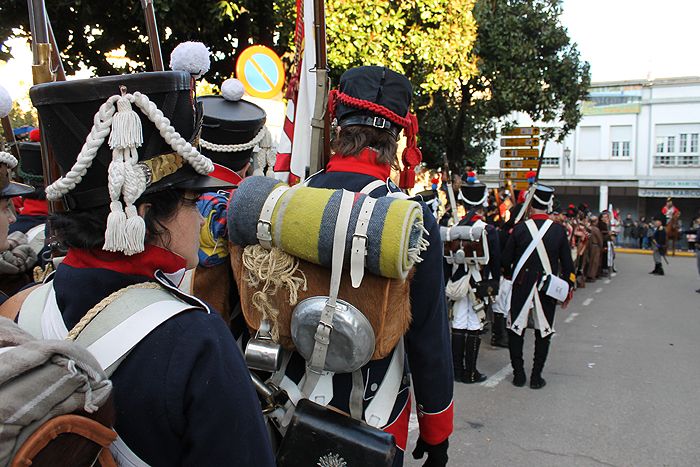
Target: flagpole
x,y
319,127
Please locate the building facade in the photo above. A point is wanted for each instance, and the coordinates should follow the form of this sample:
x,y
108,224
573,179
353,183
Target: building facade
x,y
636,145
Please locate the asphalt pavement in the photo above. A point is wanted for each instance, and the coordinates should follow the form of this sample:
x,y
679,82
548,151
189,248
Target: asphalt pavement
x,y
623,381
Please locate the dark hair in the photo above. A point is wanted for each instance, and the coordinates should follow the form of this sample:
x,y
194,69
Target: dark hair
x,y
354,138
86,229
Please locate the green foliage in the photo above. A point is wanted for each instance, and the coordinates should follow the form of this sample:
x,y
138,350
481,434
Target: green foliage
x,y
87,30
526,63
428,40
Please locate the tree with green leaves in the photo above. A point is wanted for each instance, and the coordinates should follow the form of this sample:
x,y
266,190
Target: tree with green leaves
x,y
86,31
526,63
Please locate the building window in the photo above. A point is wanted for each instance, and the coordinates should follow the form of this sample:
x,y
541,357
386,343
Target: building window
x,y
550,162
659,145
664,160
694,142
683,143
671,144
620,149
688,160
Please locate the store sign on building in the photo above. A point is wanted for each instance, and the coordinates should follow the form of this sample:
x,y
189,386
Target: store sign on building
x,y
673,184
667,193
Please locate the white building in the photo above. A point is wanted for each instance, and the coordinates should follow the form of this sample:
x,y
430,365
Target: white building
x,y
636,145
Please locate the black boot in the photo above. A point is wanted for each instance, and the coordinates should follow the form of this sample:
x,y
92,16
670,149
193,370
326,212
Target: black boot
x,y
541,351
499,338
471,374
661,270
515,346
458,341
657,267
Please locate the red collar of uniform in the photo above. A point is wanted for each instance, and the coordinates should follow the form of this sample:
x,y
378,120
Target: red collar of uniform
x,y
476,217
144,264
363,163
35,207
539,217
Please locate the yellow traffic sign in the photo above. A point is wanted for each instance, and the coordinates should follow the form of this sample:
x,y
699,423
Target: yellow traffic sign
x,y
519,163
261,71
520,152
513,175
522,131
510,142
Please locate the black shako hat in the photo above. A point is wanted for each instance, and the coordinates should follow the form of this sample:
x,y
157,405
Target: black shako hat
x,y
473,193
542,198
117,138
377,85
230,131
68,108
29,169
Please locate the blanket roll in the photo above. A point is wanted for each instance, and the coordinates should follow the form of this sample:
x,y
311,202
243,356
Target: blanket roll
x,y
303,224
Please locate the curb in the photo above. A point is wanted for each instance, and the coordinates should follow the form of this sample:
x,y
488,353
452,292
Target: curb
x,y
639,251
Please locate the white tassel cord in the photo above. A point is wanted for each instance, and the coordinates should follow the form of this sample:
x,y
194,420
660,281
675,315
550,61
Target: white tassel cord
x,y
8,159
265,156
126,230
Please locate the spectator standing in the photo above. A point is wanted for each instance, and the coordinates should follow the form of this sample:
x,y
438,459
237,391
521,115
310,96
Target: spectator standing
x,y
628,231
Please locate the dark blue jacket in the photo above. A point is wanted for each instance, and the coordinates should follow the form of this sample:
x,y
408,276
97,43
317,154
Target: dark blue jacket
x,y
183,395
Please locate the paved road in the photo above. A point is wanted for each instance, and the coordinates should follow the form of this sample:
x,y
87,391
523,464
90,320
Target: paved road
x,y
623,381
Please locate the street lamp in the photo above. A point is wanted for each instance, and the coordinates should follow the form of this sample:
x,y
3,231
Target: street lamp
x,y
567,156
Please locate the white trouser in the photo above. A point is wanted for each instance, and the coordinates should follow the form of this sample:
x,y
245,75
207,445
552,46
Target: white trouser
x,y
464,316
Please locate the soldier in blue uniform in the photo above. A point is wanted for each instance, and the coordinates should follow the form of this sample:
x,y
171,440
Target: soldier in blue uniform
x,y
527,301
466,323
365,147
183,394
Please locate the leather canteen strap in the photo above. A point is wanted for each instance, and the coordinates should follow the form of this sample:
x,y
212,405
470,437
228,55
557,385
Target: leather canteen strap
x,y
359,242
315,367
264,232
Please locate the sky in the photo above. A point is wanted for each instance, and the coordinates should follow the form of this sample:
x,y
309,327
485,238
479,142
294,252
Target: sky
x,y
621,39
633,39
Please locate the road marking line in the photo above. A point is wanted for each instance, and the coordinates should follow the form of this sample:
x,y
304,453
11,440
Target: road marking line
x,y
599,290
587,301
571,317
493,381
607,281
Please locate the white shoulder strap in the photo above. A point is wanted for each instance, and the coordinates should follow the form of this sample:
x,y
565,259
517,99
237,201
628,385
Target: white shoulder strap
x,y
541,250
371,186
379,410
533,244
116,343
32,310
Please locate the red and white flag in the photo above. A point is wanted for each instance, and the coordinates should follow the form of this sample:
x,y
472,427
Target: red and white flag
x,y
294,149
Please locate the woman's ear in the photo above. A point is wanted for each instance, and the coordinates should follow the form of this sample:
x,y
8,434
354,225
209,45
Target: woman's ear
x,y
143,209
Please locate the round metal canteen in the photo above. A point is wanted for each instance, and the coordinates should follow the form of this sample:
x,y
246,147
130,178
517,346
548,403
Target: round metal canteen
x,y
351,339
